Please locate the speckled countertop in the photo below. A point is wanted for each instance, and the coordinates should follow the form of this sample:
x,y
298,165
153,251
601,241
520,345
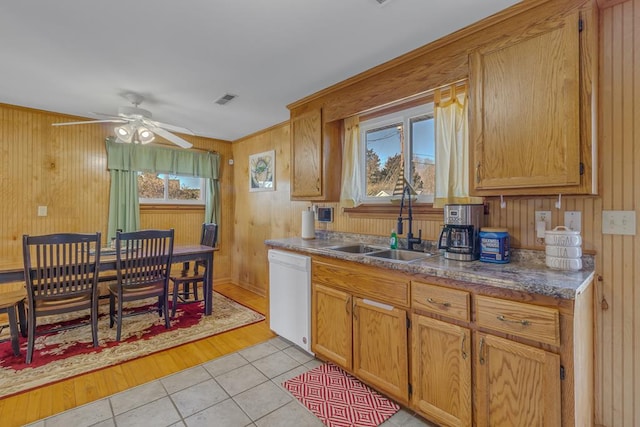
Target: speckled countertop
x,y
526,272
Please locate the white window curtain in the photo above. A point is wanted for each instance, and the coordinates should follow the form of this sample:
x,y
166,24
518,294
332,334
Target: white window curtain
x,y
351,190
452,146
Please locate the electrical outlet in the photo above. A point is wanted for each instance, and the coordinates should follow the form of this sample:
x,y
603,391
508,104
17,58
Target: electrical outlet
x,y
619,222
573,220
542,217
42,211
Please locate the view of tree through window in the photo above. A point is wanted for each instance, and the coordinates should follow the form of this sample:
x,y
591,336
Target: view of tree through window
x,y
165,187
383,159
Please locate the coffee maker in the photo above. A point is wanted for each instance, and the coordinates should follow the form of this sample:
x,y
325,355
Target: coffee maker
x,y
459,237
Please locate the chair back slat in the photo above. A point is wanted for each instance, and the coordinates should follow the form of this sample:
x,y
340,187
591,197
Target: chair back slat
x,y
143,257
209,234
61,265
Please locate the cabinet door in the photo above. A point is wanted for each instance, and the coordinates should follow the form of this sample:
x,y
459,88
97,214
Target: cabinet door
x,y
380,347
516,384
525,111
441,371
306,155
332,325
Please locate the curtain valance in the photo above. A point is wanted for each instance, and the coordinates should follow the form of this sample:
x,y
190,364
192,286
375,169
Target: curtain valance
x,y
145,158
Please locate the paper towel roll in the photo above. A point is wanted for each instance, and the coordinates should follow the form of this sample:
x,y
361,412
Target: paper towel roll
x,y
308,225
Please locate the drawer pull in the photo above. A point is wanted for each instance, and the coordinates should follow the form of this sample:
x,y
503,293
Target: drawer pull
x,y
444,304
522,322
464,352
481,351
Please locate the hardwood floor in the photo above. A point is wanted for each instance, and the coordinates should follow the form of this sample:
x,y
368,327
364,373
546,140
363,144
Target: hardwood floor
x,y
44,401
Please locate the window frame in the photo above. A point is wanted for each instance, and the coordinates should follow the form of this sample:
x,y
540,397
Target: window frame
x,y
405,117
175,202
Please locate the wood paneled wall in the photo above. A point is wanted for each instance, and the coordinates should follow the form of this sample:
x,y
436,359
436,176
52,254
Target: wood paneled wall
x,y
64,168
618,305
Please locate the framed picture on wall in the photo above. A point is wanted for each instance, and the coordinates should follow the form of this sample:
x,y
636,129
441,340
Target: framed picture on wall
x,y
262,171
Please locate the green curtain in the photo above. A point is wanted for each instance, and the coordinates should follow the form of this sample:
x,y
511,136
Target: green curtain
x,y
125,160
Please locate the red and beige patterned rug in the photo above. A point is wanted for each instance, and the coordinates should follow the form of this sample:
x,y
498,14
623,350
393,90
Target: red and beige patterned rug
x,y
70,352
340,400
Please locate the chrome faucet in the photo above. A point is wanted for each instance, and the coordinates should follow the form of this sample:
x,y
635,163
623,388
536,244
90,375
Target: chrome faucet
x,y
410,239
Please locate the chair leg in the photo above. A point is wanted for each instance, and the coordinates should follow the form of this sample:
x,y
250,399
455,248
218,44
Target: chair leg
x,y
119,320
174,299
13,329
112,309
165,308
195,291
31,335
22,319
94,322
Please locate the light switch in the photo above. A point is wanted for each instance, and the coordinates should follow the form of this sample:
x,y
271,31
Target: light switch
x,y
573,220
543,222
619,222
42,211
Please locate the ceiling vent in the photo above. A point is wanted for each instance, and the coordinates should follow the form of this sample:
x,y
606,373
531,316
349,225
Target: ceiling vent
x,y
225,99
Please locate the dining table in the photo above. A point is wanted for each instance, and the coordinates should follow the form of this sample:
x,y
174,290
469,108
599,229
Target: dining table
x,y
12,271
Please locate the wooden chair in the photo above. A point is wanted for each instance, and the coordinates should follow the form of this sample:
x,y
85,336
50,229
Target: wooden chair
x,y
185,286
143,263
61,275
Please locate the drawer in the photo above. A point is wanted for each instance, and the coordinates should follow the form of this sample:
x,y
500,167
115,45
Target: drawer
x,y
437,299
533,322
386,287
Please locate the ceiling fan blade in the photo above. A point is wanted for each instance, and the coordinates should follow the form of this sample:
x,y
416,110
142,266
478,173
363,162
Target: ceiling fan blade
x,y
169,127
170,137
90,121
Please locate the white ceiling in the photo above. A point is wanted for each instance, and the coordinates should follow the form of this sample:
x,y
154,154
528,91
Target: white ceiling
x,y
79,56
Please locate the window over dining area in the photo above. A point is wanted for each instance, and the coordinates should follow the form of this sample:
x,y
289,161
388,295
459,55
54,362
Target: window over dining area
x,y
162,188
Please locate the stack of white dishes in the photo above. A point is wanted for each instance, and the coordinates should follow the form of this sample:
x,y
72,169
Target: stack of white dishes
x,y
563,248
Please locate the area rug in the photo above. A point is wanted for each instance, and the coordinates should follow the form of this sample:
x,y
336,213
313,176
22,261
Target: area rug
x,y
339,399
70,352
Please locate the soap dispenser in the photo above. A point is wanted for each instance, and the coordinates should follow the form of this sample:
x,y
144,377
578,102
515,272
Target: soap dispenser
x,y
393,240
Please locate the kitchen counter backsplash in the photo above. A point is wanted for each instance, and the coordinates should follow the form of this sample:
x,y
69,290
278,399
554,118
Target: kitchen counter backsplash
x,y
526,272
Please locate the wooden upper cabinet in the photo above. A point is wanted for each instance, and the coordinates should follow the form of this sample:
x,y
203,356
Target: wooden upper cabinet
x,y
316,159
529,132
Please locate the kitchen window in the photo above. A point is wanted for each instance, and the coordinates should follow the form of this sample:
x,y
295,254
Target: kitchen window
x,y
163,188
397,142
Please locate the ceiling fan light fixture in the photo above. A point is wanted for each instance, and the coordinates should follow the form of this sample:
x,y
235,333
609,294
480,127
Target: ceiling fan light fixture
x,y
145,136
124,133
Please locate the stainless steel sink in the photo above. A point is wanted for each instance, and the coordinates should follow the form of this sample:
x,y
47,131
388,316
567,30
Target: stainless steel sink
x,y
359,248
399,255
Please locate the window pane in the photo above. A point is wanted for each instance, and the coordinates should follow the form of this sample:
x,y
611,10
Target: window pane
x,y
150,185
183,188
383,159
423,164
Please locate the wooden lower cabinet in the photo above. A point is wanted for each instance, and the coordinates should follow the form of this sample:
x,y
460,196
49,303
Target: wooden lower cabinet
x,y
364,337
380,354
441,371
516,384
331,334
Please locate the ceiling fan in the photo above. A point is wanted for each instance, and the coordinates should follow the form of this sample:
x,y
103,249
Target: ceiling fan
x,y
137,126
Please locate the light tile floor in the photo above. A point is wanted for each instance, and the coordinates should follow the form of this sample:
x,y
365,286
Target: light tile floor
x,y
240,389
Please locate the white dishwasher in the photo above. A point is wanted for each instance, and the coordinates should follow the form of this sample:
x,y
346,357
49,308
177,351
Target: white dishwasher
x,y
290,297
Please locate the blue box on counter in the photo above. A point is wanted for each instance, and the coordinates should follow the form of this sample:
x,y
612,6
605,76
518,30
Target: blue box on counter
x,y
494,245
